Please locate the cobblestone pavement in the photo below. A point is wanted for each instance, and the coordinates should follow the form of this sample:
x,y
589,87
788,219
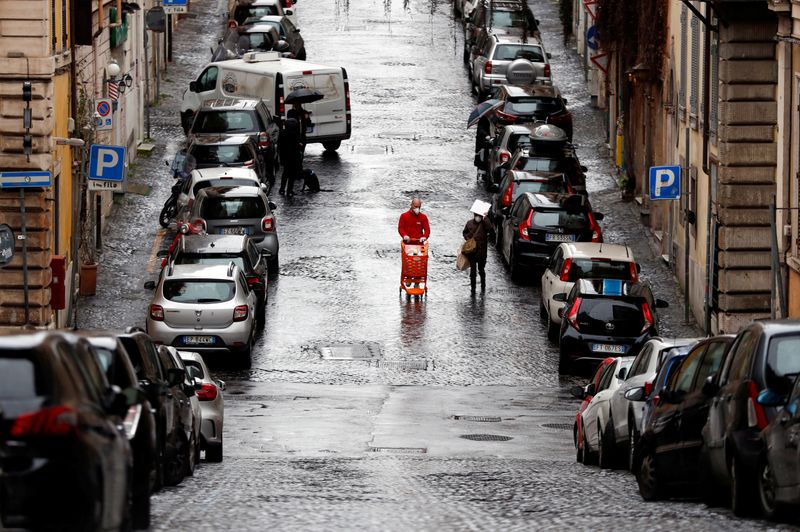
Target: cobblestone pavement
x,y
313,443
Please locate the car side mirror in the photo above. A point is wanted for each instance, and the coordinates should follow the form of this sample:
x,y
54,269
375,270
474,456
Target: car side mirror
x,y
577,392
288,12
272,206
175,376
549,55
623,372
769,397
162,253
536,21
166,163
660,303
635,394
565,103
583,168
638,268
194,372
198,384
115,402
505,210
561,297
710,388
297,30
150,285
599,216
590,389
221,385
193,85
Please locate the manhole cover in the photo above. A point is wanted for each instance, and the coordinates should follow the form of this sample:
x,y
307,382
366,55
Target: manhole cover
x,y
398,450
557,426
401,364
486,437
350,352
478,419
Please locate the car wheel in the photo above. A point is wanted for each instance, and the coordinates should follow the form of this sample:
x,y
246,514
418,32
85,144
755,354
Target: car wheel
x,y
606,454
543,312
587,456
244,356
332,145
766,491
741,492
272,264
190,459
214,452
174,469
140,511
553,330
514,268
578,444
647,477
564,363
498,238
633,440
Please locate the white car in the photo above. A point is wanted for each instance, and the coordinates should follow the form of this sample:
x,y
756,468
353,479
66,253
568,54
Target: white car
x,y
581,260
212,405
627,414
213,177
597,431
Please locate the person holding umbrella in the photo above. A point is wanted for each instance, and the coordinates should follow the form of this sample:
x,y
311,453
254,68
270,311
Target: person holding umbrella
x,y
296,99
478,228
291,153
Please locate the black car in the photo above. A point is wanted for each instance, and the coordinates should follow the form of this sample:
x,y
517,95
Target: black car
x,y
223,249
533,103
605,317
156,382
139,423
287,32
230,150
779,467
765,355
502,15
64,463
668,453
547,156
537,223
239,40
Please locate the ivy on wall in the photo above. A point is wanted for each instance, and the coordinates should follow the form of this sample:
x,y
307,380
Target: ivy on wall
x,y
637,31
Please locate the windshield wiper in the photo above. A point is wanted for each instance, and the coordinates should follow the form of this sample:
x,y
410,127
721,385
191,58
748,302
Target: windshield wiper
x,y
209,300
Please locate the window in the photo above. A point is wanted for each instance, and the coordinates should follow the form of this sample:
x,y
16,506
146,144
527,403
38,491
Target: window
x,y
508,19
528,106
783,363
599,269
538,164
605,380
18,376
642,361
596,314
232,208
711,363
216,154
713,110
208,80
200,185
568,220
683,44
738,364
199,291
695,79
556,261
520,209
510,52
218,259
685,377
231,122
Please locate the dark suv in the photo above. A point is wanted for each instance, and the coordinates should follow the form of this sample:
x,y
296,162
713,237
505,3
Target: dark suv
x,y
605,317
230,150
532,103
547,154
537,223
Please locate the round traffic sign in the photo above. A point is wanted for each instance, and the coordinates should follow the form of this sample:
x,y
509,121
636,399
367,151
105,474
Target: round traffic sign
x,y
103,108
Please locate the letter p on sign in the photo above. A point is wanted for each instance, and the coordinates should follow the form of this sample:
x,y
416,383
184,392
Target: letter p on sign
x,y
665,182
106,163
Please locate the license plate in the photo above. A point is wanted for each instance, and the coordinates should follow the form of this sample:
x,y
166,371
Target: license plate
x,y
608,348
234,230
555,237
199,340
310,128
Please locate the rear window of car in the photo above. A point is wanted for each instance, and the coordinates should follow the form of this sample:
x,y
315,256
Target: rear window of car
x,y
220,154
242,13
510,52
275,24
539,164
599,269
783,363
212,260
199,290
528,106
200,185
560,218
550,185
229,208
225,122
18,378
508,19
597,313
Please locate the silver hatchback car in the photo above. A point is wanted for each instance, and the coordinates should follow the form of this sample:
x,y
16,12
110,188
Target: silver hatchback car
x,y
238,211
204,308
212,405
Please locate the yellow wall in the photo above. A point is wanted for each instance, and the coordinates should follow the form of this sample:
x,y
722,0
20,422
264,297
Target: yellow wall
x,y
61,109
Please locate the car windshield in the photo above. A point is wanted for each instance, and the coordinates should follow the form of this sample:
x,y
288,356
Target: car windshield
x,y
783,363
548,185
242,13
510,52
508,19
221,154
599,269
211,260
225,122
199,290
539,164
200,185
229,208
529,106
570,221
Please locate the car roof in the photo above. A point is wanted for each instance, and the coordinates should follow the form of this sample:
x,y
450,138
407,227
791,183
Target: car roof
x,y
556,200
267,18
191,355
258,3
233,172
520,129
258,27
201,271
588,250
222,104
610,288
230,192
536,89
523,175
771,327
224,140
515,38
214,243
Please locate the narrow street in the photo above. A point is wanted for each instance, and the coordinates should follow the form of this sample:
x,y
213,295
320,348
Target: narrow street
x,y
349,416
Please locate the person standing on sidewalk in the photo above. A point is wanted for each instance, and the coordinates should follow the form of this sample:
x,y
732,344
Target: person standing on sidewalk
x,y
478,228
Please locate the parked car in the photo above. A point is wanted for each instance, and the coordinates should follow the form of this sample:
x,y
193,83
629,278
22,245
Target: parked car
x,y
538,223
765,355
64,463
605,317
490,69
204,308
236,151
504,143
586,394
239,211
627,414
239,40
532,104
668,454
287,32
581,260
214,177
212,405
517,182
503,15
779,466
245,9
156,381
596,419
139,422
541,158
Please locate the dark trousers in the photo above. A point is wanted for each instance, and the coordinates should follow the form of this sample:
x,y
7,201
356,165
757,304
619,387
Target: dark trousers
x,y
290,173
477,265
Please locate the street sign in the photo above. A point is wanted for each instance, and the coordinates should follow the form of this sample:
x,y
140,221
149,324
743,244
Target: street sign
x,y
103,114
7,244
106,163
665,182
591,38
100,186
601,61
591,7
173,7
25,179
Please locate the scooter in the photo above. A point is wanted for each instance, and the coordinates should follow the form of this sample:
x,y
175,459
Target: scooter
x,y
181,169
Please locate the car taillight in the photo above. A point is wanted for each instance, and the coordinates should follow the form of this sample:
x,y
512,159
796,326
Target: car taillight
x,y
597,234
547,70
240,313
565,270
131,421
287,4
756,417
504,156
249,164
207,393
572,316
648,317
253,280
648,388
487,68
634,273
267,224
198,225
232,24
157,312
508,195
505,117
51,421
524,226
263,140
281,106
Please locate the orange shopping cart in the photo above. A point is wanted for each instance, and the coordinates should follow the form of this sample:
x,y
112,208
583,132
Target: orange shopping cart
x,y
414,273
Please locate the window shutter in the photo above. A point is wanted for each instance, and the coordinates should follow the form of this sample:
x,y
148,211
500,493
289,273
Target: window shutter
x,y
683,44
695,81
714,88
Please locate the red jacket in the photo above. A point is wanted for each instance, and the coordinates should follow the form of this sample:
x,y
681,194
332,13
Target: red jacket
x,y
414,226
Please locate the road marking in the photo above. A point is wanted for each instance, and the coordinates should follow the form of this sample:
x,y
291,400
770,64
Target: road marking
x,y
151,263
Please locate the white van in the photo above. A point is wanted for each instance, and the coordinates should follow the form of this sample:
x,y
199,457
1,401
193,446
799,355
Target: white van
x,y
267,76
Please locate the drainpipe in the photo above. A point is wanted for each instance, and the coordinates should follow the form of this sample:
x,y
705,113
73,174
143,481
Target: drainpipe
x,y
710,252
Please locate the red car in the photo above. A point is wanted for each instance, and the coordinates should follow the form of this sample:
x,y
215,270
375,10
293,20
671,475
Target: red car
x,y
586,393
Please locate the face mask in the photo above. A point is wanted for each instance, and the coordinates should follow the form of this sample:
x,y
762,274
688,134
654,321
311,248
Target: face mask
x,y
478,218
415,210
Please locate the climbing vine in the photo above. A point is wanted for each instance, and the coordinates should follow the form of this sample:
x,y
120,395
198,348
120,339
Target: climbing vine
x,y
637,31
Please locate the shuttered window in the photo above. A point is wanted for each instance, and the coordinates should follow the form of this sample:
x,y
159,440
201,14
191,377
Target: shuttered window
x,y
682,85
695,80
713,111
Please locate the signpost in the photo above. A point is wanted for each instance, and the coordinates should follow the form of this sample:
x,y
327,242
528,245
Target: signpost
x,y
25,179
106,163
175,7
103,114
665,182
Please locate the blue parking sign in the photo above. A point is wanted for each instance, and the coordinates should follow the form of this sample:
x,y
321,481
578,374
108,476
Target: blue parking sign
x,y
665,182
106,163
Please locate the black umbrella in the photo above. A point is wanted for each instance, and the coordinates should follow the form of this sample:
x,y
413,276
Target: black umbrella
x,y
303,96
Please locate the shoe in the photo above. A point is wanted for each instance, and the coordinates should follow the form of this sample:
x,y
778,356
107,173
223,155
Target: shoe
x,y
281,192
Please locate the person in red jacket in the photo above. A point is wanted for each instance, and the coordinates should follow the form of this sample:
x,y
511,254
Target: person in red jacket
x,y
413,225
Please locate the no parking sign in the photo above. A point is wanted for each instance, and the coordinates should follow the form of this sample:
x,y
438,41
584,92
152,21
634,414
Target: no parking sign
x,y
103,114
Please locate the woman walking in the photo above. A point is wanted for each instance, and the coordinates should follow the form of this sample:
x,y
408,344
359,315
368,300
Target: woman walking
x,y
478,228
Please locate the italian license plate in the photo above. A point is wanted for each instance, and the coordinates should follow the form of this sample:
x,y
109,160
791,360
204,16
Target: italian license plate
x,y
557,237
608,348
238,230
199,340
